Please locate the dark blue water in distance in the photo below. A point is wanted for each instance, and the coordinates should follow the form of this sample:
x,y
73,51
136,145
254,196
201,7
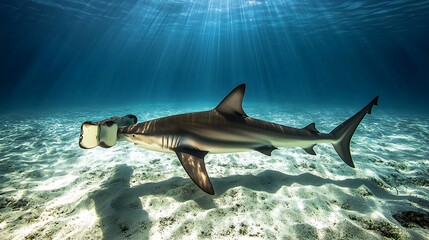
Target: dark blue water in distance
x,y
63,53
65,62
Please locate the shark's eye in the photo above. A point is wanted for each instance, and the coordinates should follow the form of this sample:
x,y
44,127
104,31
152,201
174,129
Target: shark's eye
x,y
134,135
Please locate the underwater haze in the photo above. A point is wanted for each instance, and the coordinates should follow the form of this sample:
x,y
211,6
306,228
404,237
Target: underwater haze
x,y
98,53
65,62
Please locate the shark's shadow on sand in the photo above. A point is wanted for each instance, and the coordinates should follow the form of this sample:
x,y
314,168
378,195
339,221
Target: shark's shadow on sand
x,y
121,213
118,215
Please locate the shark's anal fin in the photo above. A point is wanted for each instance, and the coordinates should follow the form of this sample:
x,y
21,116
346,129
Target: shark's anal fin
x,y
232,104
193,162
310,149
266,150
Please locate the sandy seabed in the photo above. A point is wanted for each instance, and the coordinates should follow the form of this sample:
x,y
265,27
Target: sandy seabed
x,y
52,189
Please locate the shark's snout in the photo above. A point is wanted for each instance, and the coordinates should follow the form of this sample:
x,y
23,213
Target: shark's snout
x,y
103,133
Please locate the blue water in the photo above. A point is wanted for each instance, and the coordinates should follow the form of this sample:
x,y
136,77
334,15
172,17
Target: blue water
x,y
98,53
63,62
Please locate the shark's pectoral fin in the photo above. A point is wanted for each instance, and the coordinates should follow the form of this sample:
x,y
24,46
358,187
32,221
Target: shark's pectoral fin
x,y
193,162
266,150
310,149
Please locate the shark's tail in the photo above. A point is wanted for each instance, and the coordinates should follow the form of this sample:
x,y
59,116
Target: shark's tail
x,y
103,133
344,132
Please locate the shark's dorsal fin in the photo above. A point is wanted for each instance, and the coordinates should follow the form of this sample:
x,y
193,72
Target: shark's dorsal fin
x,y
193,162
232,104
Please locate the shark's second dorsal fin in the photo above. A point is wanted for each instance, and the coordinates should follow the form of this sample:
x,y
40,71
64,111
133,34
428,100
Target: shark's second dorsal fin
x,y
232,104
312,128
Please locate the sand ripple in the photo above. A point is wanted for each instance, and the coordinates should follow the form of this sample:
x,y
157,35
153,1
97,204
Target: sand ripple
x,y
50,188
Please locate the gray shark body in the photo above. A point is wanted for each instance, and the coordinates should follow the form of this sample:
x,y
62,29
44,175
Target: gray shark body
x,y
225,129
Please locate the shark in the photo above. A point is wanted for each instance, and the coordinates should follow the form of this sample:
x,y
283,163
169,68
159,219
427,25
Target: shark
x,y
224,129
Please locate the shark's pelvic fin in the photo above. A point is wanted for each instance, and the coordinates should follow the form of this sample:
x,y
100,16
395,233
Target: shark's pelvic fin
x,y
232,104
193,162
344,132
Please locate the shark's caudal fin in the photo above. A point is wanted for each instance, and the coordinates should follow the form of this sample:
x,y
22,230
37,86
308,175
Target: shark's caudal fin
x,y
344,132
103,133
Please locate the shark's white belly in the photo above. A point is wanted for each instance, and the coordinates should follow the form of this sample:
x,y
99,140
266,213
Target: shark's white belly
x,y
154,143
216,141
167,144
